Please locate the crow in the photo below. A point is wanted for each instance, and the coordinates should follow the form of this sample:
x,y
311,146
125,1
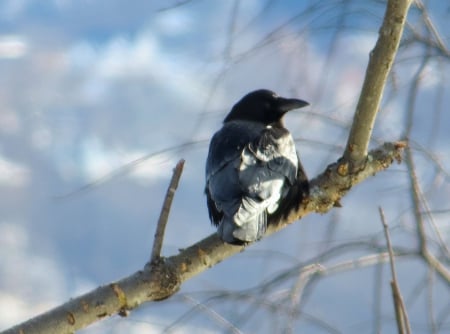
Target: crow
x,y
252,163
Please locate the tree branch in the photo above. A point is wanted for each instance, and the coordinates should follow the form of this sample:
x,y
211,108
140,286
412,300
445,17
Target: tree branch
x,y
161,279
380,63
165,210
401,315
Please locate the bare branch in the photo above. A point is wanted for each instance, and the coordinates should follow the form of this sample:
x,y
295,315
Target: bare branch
x,y
129,166
161,279
154,282
380,63
399,305
437,265
416,193
165,210
431,27
432,260
297,291
175,5
227,325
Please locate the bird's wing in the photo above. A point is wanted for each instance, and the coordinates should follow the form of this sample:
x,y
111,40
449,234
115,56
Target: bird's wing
x,y
227,144
249,168
214,214
268,166
267,163
222,190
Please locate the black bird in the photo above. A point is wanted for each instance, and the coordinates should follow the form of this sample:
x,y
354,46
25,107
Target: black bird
x,y
251,165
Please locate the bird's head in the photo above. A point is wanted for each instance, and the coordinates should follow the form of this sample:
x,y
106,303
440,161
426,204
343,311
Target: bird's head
x,y
263,106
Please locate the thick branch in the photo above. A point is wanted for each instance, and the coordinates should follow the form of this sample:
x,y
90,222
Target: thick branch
x,y
380,63
152,283
162,279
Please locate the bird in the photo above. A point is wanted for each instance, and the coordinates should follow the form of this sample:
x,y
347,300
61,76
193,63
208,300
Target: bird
x,y
252,163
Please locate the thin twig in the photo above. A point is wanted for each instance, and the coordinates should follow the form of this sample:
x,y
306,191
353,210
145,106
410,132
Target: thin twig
x,y
416,193
416,196
399,306
430,305
174,6
431,27
296,293
378,290
129,166
165,210
210,312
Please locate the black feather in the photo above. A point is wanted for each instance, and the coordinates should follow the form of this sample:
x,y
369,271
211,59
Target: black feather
x,y
252,166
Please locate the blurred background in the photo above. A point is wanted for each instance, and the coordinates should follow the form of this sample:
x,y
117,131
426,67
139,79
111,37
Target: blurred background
x,y
100,99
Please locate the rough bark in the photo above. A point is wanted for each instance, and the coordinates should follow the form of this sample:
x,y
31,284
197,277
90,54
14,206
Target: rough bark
x,y
380,63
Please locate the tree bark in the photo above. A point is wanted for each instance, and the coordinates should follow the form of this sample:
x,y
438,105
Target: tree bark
x,y
380,63
160,279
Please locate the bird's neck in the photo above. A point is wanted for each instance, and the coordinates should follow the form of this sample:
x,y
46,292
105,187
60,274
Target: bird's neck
x,y
277,124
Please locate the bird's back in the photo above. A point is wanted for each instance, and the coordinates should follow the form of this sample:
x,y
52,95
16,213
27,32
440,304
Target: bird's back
x,y
248,170
227,144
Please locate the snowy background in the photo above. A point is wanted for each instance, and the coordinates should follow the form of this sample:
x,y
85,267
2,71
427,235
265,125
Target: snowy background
x,y
88,88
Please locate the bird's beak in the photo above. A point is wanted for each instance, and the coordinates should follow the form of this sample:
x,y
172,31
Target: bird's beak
x,y
284,105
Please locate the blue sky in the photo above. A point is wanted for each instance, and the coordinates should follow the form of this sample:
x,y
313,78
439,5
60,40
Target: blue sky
x,y
90,86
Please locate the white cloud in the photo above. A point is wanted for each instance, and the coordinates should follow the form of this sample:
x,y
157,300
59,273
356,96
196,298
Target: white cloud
x,y
142,56
9,120
99,160
174,22
432,76
31,283
13,46
13,173
124,57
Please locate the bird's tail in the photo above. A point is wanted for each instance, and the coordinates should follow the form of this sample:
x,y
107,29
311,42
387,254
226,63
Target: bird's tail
x,y
248,224
253,230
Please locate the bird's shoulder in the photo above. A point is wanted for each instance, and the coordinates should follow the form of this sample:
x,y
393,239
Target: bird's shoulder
x,y
227,143
272,151
273,143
